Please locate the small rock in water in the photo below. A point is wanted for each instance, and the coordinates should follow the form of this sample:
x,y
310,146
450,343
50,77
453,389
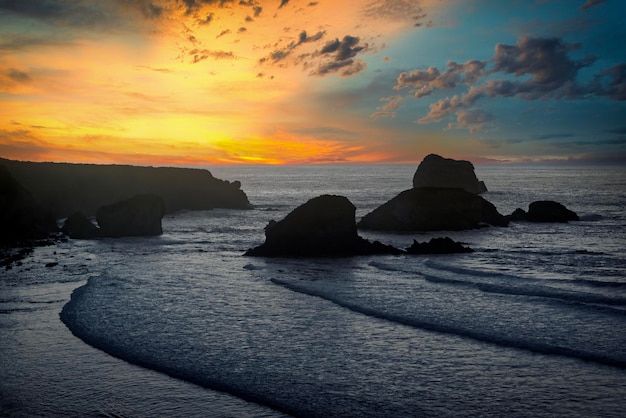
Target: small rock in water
x,y
438,246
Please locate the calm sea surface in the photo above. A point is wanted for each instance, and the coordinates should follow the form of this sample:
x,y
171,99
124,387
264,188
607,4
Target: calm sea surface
x,y
533,324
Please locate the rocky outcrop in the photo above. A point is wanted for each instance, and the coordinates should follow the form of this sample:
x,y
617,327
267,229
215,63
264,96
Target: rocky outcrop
x,y
443,245
544,211
78,226
322,227
436,171
67,188
22,219
138,216
433,209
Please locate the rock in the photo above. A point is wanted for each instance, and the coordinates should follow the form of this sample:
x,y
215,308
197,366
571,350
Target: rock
x,y
518,214
433,209
544,211
138,216
443,245
322,227
78,226
22,219
436,171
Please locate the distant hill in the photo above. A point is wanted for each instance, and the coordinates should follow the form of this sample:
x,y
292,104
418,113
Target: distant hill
x,y
64,188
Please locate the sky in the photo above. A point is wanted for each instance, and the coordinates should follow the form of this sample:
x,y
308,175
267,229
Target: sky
x,y
208,82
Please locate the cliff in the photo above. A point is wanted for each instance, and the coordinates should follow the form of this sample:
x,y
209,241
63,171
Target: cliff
x,y
21,218
64,188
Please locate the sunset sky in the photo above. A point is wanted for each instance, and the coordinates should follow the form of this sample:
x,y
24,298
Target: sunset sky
x,y
205,82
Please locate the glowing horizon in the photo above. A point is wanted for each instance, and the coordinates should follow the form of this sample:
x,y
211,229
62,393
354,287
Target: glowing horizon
x,y
206,82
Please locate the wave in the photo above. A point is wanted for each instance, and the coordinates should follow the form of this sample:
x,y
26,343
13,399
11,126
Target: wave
x,y
500,340
517,280
543,292
71,316
383,266
593,217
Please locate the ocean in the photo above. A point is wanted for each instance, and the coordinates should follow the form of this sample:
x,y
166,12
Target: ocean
x,y
532,324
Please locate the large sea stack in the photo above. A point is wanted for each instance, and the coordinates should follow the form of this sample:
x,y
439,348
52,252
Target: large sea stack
x,y
322,227
436,171
444,197
64,188
433,209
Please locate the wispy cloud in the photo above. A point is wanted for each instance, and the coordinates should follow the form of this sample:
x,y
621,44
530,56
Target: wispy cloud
x,y
591,3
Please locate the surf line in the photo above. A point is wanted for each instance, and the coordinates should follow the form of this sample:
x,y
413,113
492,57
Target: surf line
x,y
69,316
537,348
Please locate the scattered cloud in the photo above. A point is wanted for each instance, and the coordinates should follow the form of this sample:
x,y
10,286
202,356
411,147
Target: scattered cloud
x,y
424,82
544,137
12,78
396,10
338,57
201,55
222,33
474,120
283,53
616,85
208,19
17,75
389,109
532,69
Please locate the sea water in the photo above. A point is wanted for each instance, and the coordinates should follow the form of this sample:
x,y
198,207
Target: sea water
x,y
531,324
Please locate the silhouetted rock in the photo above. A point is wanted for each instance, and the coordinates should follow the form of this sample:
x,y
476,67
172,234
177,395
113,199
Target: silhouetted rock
x,y
78,226
443,245
544,211
322,227
433,209
22,219
138,216
518,214
436,171
67,188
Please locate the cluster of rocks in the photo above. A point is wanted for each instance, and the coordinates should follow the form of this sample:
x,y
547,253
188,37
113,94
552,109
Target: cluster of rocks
x,y
325,226
444,197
